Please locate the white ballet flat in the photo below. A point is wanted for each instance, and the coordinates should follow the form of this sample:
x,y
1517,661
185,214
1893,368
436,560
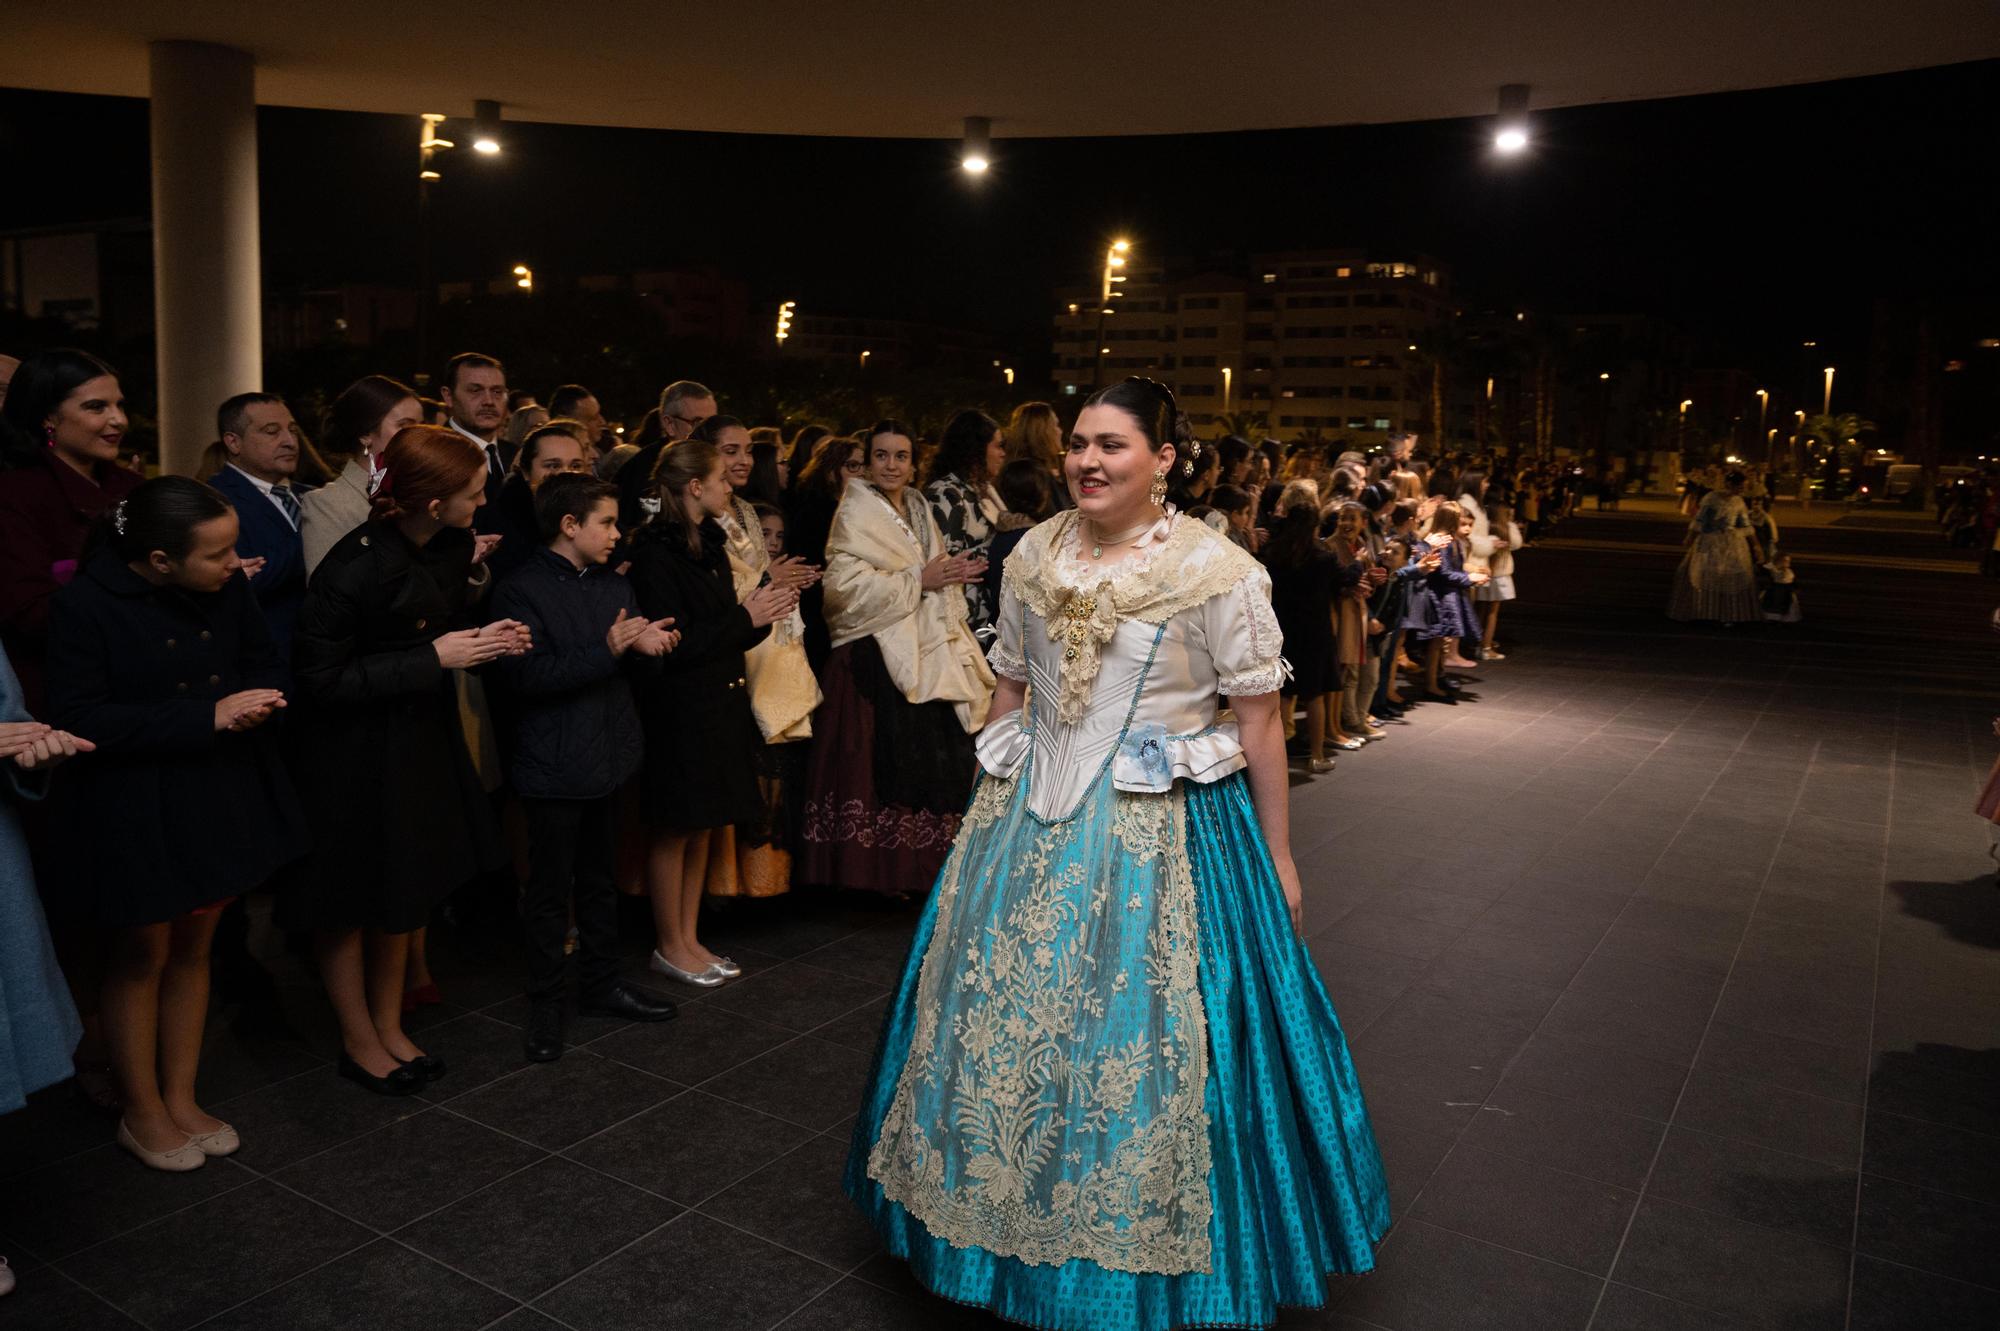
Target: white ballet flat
x,y
179,1160
223,1141
704,979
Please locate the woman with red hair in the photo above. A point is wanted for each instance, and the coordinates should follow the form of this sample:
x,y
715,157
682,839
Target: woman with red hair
x,y
398,815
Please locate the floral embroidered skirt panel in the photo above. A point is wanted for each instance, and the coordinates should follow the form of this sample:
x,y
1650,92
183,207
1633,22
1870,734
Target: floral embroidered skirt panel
x,y
1111,1092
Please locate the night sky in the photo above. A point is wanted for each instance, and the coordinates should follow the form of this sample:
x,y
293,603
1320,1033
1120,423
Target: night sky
x,y
1761,217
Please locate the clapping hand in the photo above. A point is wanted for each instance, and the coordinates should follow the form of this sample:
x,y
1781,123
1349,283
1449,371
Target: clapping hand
x,y
648,637
483,546
793,571
247,709
32,745
659,638
953,570
769,604
517,638
253,566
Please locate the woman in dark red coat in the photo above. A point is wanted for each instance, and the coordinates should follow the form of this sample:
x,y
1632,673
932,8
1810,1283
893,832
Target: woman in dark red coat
x,y
60,427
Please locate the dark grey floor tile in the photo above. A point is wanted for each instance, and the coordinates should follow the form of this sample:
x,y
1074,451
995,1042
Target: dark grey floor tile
x,y
1669,986
1399,935
579,1028
1428,1279
1602,1144
796,1202
1428,1026
1888,1297
691,1147
477,1048
780,926
306,1114
235,1061
809,1081
557,1104
52,1126
1809,1125
1528,1207
532,1229
1735,1178
796,996
703,1041
1419,1094
408,1169
694,1272
526,1319
1933,1231
1833,1071
1685,949
1661,1030
1356,1007
242,1243
860,1029
1627,1309
88,1198
1427,904
383,1287
1551,961
856,1305
47,1300
1363,965
876,956
1939,1083
1499,998
1931,1155
1409,1158
1621,1079
1759,1276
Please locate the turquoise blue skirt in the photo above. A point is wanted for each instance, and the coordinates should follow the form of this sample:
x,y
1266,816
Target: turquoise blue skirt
x,y
1295,1180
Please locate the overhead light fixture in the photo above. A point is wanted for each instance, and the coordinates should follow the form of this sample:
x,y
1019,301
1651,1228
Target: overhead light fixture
x,y
1510,132
524,277
977,152
785,313
486,127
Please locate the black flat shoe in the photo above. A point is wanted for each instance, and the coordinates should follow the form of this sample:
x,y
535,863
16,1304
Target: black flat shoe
x,y
621,1001
403,1081
428,1067
542,1041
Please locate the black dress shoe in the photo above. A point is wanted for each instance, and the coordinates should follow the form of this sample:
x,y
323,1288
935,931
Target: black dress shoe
x,y
428,1067
542,1040
620,1001
403,1081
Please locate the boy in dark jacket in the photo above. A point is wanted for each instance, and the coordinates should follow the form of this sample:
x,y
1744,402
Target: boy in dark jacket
x,y
575,741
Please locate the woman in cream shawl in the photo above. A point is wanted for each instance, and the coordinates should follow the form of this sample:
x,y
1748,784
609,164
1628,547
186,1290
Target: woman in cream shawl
x,y
906,686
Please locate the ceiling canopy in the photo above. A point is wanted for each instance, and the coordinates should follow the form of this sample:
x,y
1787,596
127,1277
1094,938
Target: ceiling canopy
x,y
910,68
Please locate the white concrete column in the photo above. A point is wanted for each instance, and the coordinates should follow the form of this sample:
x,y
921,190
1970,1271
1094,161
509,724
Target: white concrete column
x,y
207,281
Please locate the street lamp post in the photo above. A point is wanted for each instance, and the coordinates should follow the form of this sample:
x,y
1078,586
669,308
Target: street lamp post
x,y
1228,382
1763,405
1826,403
1686,402
1114,259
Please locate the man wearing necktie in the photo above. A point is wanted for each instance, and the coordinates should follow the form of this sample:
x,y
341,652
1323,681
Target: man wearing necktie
x,y
261,442
473,389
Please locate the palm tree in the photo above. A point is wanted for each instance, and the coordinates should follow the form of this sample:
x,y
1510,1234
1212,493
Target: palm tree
x,y
1838,434
1436,353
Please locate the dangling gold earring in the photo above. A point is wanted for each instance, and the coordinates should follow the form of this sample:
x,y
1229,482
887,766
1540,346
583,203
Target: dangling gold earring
x,y
1158,494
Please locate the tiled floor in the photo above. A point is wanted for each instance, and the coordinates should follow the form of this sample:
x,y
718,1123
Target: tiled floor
x,y
1671,966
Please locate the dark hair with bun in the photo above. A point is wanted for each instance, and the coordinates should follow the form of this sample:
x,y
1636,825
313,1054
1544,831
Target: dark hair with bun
x,y
1151,403
423,463
160,514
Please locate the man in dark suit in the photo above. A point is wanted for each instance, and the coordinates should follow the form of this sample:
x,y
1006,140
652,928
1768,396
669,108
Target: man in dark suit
x,y
473,389
262,444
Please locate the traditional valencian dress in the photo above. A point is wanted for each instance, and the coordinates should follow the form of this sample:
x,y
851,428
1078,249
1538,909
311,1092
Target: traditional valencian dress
x,y
1111,1093
906,689
1717,578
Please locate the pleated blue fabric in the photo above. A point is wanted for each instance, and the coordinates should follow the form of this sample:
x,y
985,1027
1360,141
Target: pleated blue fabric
x,y
1295,1180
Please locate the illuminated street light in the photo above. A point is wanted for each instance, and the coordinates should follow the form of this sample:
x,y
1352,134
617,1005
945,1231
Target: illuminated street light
x,y
1114,258
1826,405
486,127
1009,372
785,320
1510,132
977,153
1228,379
1606,374
864,358
524,277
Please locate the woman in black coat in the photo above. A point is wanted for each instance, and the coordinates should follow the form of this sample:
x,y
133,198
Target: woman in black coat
x,y
702,740
399,818
159,656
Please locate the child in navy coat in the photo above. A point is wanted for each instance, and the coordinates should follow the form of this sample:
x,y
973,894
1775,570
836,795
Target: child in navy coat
x,y
575,740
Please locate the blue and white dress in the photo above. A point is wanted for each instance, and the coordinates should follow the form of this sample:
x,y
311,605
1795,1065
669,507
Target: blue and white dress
x,y
1111,1092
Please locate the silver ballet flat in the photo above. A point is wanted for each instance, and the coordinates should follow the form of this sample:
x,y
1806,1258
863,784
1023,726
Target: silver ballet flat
x,y
726,968
705,979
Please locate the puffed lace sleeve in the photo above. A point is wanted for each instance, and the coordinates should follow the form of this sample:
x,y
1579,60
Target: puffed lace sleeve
x,y
1005,653
1244,639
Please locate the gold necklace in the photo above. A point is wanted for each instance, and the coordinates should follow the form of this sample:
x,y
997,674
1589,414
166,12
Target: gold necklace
x,y
1097,545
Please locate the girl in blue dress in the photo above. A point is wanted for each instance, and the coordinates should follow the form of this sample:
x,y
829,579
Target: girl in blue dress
x,y
1111,1093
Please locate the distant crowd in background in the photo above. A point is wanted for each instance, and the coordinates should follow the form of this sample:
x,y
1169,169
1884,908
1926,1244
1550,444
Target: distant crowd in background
x,y
489,657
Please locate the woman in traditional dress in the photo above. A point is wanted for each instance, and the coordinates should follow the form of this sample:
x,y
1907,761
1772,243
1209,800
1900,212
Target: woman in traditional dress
x,y
755,859
1111,1093
906,685
1717,579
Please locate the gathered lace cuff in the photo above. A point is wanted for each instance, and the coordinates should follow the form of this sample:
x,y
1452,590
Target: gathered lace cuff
x,y
1006,660
1264,679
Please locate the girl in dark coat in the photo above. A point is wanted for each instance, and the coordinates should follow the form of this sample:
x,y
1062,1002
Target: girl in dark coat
x,y
159,656
1439,607
702,740
1304,575
399,818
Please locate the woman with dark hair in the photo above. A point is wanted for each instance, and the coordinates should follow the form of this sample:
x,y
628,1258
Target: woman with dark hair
x,y
159,655
770,473
548,450
1303,576
700,771
906,685
60,426
1110,1090
359,425
809,509
964,502
1034,433
805,441
399,817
